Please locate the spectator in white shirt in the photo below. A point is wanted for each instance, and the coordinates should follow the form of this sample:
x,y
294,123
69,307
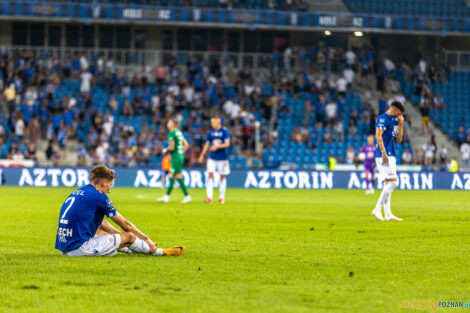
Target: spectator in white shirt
x,y
443,155
84,62
100,65
174,89
348,74
331,111
18,156
19,127
188,93
428,150
341,86
422,66
85,84
110,66
406,157
465,150
350,58
389,65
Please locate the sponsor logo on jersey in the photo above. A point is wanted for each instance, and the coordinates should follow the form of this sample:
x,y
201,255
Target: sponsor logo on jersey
x,y
65,232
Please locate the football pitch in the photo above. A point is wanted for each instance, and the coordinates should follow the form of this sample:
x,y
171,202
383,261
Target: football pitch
x,y
263,251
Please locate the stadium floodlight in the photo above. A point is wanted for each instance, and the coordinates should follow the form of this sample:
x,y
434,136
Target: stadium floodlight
x,y
327,33
358,34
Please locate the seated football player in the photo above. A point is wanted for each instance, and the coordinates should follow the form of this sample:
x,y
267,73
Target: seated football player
x,y
84,232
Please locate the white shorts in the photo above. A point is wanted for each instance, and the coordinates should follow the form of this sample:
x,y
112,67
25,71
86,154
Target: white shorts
x,y
387,171
105,245
222,167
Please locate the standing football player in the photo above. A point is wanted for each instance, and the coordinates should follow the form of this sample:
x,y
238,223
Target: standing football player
x,y
83,231
369,151
217,141
177,146
389,128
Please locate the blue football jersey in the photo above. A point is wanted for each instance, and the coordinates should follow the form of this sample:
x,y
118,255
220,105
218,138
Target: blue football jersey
x,y
80,216
218,137
389,124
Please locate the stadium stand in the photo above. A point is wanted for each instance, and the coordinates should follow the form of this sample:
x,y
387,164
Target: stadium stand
x,y
434,8
447,103
120,119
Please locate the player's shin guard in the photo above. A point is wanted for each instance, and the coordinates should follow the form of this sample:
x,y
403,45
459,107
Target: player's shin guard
x,y
391,186
170,186
140,246
183,186
210,188
222,188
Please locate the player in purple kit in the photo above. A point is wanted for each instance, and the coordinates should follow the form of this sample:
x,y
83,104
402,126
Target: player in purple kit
x,y
369,163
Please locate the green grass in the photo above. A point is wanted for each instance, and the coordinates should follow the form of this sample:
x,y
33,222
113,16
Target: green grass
x,y
263,251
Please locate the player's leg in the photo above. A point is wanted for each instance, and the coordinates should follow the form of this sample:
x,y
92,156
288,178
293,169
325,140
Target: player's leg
x,y
377,212
177,162
187,197
223,168
392,184
101,232
209,187
210,167
166,197
138,245
367,182
372,182
222,188
163,180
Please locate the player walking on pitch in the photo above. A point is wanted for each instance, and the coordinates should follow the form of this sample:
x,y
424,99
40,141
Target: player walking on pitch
x,y
177,147
83,231
389,128
369,151
217,141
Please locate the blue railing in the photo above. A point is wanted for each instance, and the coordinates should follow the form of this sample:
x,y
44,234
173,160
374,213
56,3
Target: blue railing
x,y
251,18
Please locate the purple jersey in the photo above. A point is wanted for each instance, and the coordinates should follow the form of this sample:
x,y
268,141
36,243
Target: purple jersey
x,y
369,159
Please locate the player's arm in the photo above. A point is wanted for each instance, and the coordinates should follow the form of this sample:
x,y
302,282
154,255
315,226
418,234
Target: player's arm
x,y
400,128
171,146
226,144
380,143
204,151
127,226
107,227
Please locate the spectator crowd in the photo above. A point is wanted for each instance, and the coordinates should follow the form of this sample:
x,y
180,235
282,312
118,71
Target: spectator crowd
x,y
118,117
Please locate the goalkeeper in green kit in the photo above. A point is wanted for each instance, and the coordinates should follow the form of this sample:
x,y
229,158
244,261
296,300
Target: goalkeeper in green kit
x,y
177,146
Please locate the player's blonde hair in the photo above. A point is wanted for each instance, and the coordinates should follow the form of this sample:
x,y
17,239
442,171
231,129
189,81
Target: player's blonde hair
x,y
100,172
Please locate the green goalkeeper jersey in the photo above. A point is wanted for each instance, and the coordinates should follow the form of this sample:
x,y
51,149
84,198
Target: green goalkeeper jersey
x,y
176,136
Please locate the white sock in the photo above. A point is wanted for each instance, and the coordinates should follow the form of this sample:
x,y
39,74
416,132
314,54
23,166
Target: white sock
x,y
383,196
390,187
222,188
159,252
210,188
140,246
125,250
